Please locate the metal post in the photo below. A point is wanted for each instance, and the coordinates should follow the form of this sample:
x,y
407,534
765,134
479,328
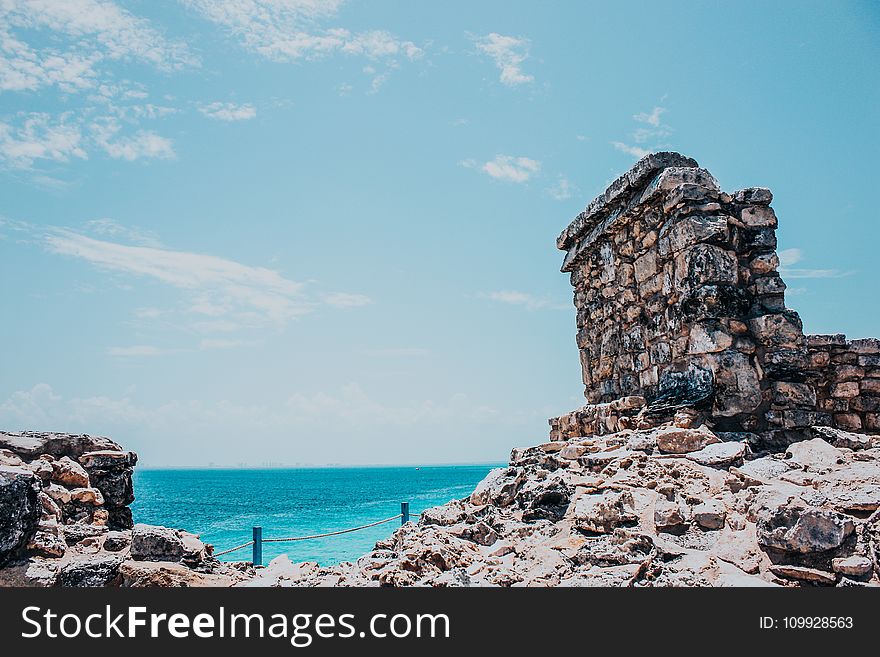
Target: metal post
x,y
404,513
258,546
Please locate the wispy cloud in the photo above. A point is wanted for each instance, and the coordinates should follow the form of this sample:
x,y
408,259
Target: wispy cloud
x,y
288,30
635,151
651,118
507,168
509,53
561,190
790,257
650,138
142,144
84,33
220,287
40,137
524,299
228,111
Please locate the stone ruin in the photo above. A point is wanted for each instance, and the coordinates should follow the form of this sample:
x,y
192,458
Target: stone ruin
x,y
680,305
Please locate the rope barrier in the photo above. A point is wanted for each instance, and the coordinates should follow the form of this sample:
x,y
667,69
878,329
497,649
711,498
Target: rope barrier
x,y
337,533
258,539
238,547
305,538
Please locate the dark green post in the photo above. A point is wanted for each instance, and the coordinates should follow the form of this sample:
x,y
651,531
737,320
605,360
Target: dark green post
x,y
404,513
258,546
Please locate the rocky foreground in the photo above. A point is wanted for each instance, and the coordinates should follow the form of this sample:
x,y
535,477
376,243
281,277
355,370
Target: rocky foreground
x,y
670,505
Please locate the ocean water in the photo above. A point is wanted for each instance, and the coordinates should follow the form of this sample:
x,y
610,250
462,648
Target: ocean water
x,y
224,505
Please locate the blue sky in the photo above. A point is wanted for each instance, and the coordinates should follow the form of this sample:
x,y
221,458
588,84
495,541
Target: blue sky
x,y
294,231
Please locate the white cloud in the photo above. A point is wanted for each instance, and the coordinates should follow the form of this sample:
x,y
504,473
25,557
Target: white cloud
x,y
524,299
219,295
635,151
112,228
83,34
39,137
562,190
508,53
229,111
789,257
346,300
511,169
219,286
141,144
650,138
288,30
651,118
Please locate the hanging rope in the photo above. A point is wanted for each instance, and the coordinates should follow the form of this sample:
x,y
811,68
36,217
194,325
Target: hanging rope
x,y
337,533
305,538
237,547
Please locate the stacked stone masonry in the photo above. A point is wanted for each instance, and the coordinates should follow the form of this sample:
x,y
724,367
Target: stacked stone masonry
x,y
679,302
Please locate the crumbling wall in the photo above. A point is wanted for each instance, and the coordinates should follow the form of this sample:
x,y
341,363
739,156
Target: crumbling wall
x,y
847,380
679,302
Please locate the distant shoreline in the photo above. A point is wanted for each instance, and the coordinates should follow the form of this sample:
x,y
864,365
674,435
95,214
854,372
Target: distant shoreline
x,y
497,464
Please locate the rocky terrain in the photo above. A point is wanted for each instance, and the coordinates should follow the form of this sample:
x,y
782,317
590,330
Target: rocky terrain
x,y
65,520
671,505
660,505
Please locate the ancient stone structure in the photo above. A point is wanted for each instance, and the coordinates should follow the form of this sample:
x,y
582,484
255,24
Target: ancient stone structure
x,y
680,304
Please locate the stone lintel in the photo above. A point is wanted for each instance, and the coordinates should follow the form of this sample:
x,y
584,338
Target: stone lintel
x,y
622,188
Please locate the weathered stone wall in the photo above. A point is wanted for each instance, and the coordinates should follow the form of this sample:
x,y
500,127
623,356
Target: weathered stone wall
x,y
847,380
679,301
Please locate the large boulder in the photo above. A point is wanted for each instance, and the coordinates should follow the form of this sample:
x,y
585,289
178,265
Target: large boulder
x,y
90,571
31,444
499,487
20,510
790,525
156,543
675,440
166,574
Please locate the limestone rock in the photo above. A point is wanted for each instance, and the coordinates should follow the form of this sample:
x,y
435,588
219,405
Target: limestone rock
x,y
117,541
805,574
674,440
668,517
792,526
604,512
710,514
79,531
35,572
69,473
156,543
814,455
32,444
20,510
499,487
89,571
840,438
166,574
719,455
87,496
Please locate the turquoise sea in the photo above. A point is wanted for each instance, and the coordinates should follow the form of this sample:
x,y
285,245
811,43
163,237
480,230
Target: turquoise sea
x,y
224,505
